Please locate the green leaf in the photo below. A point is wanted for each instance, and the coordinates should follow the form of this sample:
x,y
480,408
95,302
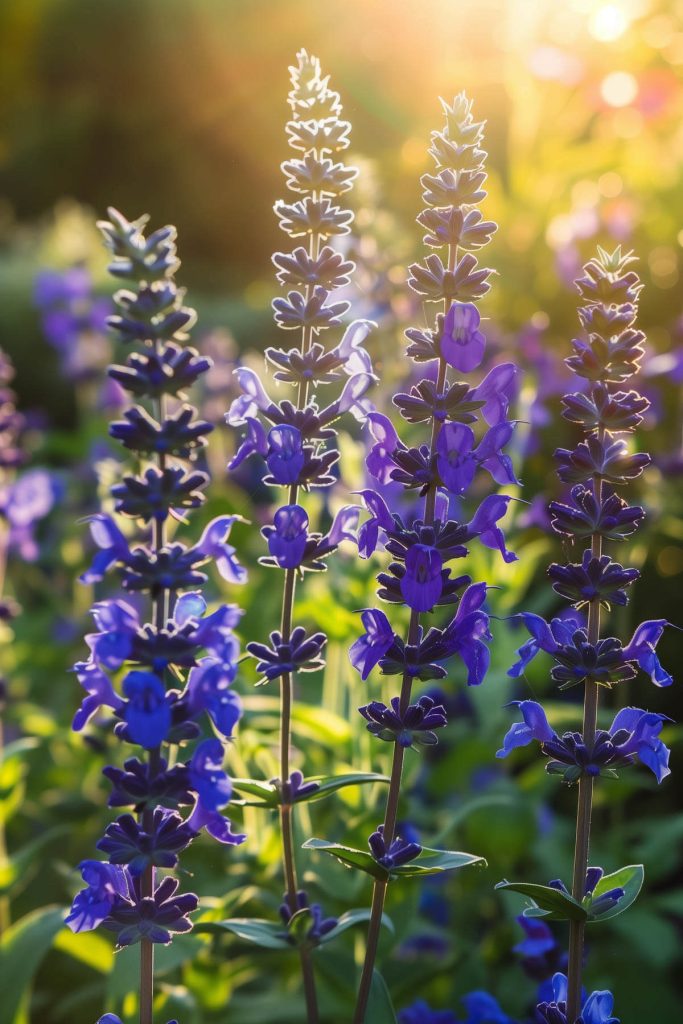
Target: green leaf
x,y
548,902
350,857
380,1007
267,934
352,917
433,862
430,862
265,795
22,948
630,879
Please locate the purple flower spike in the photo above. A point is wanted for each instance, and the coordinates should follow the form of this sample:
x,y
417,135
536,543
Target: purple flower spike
x,y
370,648
288,535
462,343
422,583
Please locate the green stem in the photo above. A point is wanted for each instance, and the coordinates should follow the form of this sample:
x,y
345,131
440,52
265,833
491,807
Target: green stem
x,y
380,887
160,612
585,801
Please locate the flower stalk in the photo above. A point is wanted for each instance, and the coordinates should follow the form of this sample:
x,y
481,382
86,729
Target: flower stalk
x,y
445,467
298,446
128,895
593,514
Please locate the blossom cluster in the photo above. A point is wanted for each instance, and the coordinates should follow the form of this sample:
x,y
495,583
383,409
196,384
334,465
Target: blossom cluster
x,y
157,671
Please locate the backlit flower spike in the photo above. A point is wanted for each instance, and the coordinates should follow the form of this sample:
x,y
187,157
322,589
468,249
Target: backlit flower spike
x,y
288,424
593,513
160,671
464,427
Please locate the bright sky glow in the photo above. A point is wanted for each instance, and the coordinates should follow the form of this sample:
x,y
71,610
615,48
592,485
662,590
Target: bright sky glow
x,y
607,23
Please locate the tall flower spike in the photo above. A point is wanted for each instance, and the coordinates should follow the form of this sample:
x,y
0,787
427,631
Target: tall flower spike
x,y
151,658
419,575
293,435
599,466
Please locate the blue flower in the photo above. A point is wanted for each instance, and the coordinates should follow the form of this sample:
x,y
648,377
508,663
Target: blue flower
x,y
398,852
413,726
157,917
380,460
105,885
369,649
467,631
128,842
285,456
147,712
632,733
496,391
380,519
209,689
212,544
462,344
641,649
457,458
596,1009
484,524
252,400
213,789
113,544
301,653
100,692
287,536
422,583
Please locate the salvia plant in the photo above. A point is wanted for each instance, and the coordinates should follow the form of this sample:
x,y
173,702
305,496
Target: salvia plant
x,y
160,667
593,515
465,429
296,441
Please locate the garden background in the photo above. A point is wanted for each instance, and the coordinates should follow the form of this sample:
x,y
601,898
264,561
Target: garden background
x,y
176,108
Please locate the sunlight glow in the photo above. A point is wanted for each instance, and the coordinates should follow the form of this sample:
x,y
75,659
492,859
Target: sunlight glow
x,y
607,23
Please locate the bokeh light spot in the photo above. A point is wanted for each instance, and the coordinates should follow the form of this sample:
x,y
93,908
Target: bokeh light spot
x,y
610,184
619,88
